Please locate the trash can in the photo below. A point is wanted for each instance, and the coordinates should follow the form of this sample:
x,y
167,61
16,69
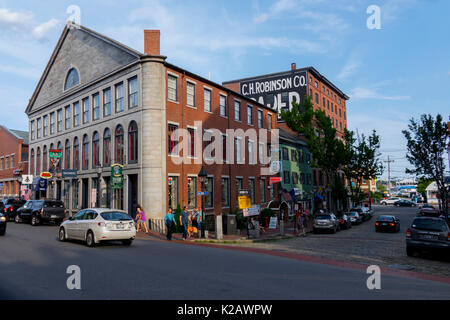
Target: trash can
x,y
229,224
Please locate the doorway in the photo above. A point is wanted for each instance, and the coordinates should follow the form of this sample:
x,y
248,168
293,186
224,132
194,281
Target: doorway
x,y
85,193
132,194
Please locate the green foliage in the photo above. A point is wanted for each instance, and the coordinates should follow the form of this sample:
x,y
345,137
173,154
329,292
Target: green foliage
x,y
241,221
177,219
423,184
267,213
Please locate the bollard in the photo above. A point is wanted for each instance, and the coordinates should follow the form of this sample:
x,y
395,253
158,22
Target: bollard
x,y
219,228
282,227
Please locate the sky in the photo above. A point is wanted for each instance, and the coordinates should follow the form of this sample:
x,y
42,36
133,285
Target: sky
x,y
391,74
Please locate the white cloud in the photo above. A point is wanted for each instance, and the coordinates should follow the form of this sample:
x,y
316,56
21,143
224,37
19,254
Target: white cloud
x,y
366,93
15,20
349,69
25,72
41,31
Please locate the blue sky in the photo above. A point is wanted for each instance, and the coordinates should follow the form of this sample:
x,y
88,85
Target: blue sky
x,y
391,74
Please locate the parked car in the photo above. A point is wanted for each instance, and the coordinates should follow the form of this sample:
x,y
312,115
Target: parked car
x,y
355,218
427,233
368,212
426,205
38,211
345,222
387,223
10,207
2,224
364,216
404,203
97,225
388,201
327,222
2,207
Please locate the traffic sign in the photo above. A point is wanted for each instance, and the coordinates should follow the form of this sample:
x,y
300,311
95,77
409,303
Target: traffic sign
x,y
245,202
27,179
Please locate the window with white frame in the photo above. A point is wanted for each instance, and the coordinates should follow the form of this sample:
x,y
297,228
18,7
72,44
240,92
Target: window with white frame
x,y
207,100
190,94
172,88
223,106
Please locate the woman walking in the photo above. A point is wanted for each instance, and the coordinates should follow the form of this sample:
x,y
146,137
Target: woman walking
x,y
170,223
142,222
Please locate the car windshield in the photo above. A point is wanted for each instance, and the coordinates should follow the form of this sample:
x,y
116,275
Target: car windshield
x,y
115,216
385,218
429,225
324,217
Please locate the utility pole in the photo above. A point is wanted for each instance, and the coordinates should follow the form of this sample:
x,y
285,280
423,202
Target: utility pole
x,y
389,174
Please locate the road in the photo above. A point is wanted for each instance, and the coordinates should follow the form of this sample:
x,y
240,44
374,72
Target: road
x,y
361,244
33,265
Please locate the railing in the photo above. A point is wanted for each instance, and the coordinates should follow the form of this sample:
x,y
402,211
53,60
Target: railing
x,y
157,225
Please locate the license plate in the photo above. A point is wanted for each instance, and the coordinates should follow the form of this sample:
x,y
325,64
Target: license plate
x,y
120,226
54,217
428,237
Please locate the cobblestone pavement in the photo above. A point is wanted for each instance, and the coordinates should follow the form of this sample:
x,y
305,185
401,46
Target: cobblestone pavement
x,y
362,244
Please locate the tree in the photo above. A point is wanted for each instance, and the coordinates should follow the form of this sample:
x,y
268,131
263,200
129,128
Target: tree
x,y
422,186
326,149
426,144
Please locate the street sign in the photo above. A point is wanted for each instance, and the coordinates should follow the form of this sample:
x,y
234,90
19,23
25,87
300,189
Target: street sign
x,y
69,173
27,179
203,193
274,180
116,177
245,202
253,211
46,175
54,153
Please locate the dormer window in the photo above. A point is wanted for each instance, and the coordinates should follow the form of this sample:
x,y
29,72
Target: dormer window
x,y
72,79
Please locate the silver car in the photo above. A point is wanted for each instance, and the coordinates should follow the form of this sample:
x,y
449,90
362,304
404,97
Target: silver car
x,y
326,222
96,225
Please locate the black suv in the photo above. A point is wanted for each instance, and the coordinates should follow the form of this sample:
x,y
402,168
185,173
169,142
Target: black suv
x,y
428,233
11,206
38,211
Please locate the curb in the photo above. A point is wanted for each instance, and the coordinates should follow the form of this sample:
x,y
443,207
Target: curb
x,y
241,240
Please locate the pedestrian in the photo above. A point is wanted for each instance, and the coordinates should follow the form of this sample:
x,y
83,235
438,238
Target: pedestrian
x,y
301,225
200,221
142,222
169,220
184,222
194,218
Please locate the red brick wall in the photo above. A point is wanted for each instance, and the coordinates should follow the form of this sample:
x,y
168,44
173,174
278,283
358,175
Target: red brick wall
x,y
185,116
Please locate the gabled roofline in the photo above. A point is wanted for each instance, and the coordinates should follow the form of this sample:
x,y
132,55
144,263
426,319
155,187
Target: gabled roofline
x,y
64,33
14,134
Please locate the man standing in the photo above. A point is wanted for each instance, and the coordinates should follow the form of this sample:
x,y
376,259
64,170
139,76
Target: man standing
x,y
184,222
170,223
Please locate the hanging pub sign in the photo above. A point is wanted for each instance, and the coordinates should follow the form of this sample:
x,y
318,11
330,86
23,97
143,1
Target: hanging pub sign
x,y
46,175
116,176
54,154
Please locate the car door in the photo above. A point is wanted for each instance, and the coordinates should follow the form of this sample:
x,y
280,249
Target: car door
x,y
72,225
85,223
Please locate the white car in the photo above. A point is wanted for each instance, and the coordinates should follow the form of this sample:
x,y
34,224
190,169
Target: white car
x,y
389,200
96,225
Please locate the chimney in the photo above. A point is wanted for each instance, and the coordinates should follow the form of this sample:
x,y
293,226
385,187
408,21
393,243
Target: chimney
x,y
293,66
151,44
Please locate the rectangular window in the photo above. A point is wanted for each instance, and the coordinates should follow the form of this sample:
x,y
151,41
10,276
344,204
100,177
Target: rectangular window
x,y
67,193
251,154
107,102
52,123
238,143
191,94
133,93
250,115
239,186
287,177
262,190
60,120
76,114
39,128
86,110
225,192
45,126
120,104
260,119
7,163
261,149
32,129
237,111
68,117
294,155
317,98
173,192
209,199
285,154
96,106
172,88
251,189
192,192
173,140
191,144
75,190
269,121
223,106
207,100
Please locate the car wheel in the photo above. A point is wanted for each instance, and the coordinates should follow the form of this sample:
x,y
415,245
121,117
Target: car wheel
x,y
34,221
410,251
127,242
90,240
62,235
17,219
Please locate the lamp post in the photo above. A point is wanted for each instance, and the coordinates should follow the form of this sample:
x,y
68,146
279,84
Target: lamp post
x,y
202,177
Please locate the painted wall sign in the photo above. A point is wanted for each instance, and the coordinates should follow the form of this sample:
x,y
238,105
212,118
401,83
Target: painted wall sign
x,y
277,92
116,176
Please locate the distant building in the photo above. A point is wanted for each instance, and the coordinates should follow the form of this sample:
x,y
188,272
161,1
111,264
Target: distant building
x,y
13,161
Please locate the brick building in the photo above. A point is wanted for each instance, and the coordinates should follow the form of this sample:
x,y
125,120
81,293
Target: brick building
x,y
13,161
103,103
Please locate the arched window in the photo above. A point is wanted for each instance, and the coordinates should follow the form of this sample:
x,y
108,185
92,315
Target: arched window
x,y
119,144
96,150
31,169
61,159
107,147
85,152
76,154
133,142
67,155
72,79
44,161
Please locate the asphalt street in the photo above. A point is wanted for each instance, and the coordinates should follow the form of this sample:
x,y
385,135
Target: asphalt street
x,y
33,265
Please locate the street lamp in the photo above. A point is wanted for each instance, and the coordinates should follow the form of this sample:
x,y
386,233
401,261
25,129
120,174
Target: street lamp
x,y
202,177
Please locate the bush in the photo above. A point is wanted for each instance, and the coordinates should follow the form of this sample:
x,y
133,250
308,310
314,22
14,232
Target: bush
x,y
177,220
268,213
